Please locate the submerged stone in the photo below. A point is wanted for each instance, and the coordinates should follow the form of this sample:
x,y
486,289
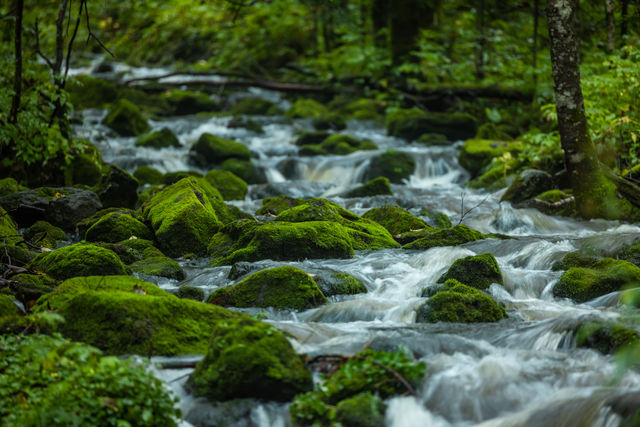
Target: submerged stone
x,y
477,271
248,358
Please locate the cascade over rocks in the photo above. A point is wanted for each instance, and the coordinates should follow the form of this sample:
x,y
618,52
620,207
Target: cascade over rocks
x,y
478,271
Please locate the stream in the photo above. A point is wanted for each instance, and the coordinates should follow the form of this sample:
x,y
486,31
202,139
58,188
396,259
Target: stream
x,y
521,371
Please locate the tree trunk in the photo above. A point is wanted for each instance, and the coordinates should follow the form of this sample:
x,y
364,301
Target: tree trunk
x,y
480,41
534,47
611,26
624,13
18,8
595,194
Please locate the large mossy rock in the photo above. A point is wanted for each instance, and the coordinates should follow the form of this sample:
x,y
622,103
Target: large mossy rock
x,y
90,92
126,119
7,306
337,283
8,186
429,238
8,229
160,266
395,219
476,154
244,169
411,124
230,186
27,288
80,259
275,205
379,186
148,175
117,189
606,337
337,144
605,276
459,303
126,315
281,287
527,185
182,103
248,358
183,217
365,234
306,109
477,271
44,234
116,226
86,166
162,138
249,240
362,410
210,150
394,165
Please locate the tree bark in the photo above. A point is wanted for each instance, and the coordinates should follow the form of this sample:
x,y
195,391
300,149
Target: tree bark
x,y
611,26
595,194
17,76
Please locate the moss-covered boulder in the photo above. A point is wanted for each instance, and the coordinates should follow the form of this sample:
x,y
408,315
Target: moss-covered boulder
x,y
211,150
173,177
244,169
86,166
430,139
337,144
379,186
459,303
248,358
27,288
8,229
281,287
477,271
162,138
606,337
44,234
126,119
182,103
394,165
255,106
230,186
365,234
556,202
190,292
275,205
527,185
7,306
80,259
306,109
116,226
605,276
8,186
436,219
426,239
133,250
395,219
158,266
183,217
148,175
17,255
90,92
87,223
411,124
336,283
476,154
249,240
331,121
311,138
363,109
117,189
126,315
362,410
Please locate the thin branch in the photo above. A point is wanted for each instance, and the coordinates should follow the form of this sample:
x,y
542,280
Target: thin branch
x,y
399,377
60,37
464,213
91,35
38,51
73,37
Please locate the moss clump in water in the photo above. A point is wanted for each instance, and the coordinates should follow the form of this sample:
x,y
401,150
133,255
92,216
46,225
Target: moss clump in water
x,y
163,138
478,271
394,165
607,338
212,150
379,186
126,119
158,266
281,287
395,219
426,239
306,109
248,358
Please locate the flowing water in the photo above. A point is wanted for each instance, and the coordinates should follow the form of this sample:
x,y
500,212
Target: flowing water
x,y
522,371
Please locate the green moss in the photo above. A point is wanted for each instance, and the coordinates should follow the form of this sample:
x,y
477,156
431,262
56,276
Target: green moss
x,y
364,109
246,123
394,165
86,223
182,217
252,241
158,266
605,276
337,144
343,284
580,258
281,287
607,338
331,121
116,226
395,219
365,234
80,259
117,188
90,92
148,175
248,358
8,186
126,119
190,292
230,186
87,165
255,106
436,219
244,169
459,303
7,307
495,177
173,177
152,103
478,271
362,410
160,139
426,239
374,187
213,150
489,130
306,109
553,196
133,250
15,255
311,138
8,229
476,154
119,319
430,139
27,288
43,234
411,124
275,205
182,102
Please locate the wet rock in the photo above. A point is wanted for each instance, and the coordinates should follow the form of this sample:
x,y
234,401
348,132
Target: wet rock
x,y
395,219
210,150
44,234
230,186
8,186
182,103
255,106
190,292
311,138
289,168
118,189
173,177
244,169
527,185
80,259
306,109
160,266
148,175
411,124
116,226
246,123
394,165
605,337
126,119
330,122
163,138
426,238
337,144
28,288
90,92
478,271
375,187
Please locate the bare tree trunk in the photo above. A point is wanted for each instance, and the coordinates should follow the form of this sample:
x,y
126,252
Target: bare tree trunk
x,y
18,7
611,26
595,194
480,41
624,13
